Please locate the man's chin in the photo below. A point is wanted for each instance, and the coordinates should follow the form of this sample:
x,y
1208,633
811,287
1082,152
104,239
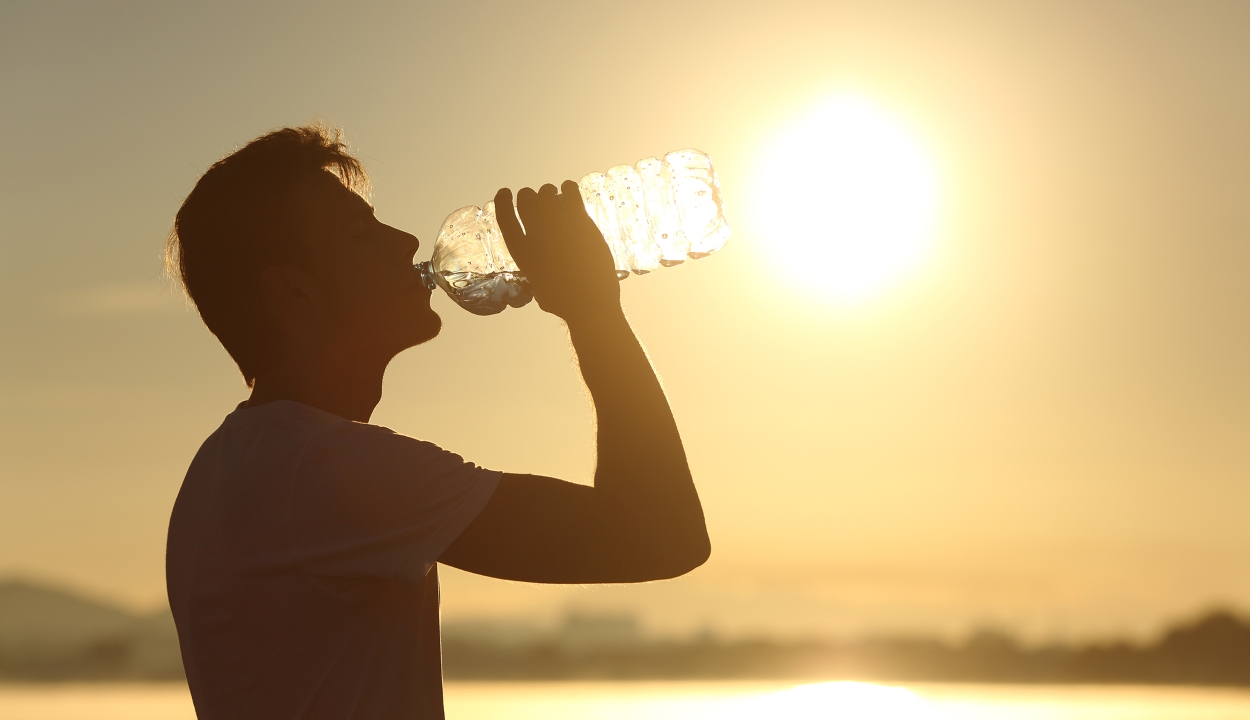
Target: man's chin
x,y
430,326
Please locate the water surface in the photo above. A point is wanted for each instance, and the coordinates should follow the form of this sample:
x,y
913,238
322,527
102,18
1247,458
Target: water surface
x,y
695,701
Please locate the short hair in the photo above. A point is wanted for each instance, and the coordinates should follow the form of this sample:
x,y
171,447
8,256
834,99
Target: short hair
x,y
241,217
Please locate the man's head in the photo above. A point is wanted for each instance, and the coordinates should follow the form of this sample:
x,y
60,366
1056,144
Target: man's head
x,y
283,256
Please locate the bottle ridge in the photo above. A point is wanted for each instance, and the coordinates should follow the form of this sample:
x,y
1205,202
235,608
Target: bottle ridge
x,y
655,213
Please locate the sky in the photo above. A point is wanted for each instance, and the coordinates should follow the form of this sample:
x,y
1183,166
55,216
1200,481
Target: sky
x,y
1043,427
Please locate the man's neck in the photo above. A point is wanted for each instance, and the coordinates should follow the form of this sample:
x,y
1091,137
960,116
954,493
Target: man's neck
x,y
350,390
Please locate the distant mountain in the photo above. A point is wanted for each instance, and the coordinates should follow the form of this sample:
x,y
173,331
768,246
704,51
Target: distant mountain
x,y
52,634
1214,649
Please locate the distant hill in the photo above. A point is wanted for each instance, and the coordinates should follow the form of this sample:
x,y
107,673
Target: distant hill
x,y
52,634
1214,649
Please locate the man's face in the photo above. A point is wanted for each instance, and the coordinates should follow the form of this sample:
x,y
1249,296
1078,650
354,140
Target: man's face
x,y
365,295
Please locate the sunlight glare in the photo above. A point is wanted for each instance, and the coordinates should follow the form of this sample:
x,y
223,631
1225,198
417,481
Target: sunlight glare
x,y
842,699
846,197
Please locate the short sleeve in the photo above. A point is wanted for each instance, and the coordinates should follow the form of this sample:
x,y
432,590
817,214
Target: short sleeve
x,y
367,502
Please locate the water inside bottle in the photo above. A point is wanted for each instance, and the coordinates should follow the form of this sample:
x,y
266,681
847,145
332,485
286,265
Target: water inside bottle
x,y
485,293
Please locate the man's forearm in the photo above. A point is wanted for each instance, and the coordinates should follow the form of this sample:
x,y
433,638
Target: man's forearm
x,y
641,464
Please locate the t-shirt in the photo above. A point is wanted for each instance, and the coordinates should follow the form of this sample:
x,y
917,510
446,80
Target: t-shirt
x,y
301,566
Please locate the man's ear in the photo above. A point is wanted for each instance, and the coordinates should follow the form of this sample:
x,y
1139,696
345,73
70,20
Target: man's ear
x,y
284,292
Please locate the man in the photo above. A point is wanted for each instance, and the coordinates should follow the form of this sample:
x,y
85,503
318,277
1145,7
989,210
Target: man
x,y
301,562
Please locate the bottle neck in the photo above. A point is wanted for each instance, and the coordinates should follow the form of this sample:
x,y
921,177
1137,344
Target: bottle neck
x,y
427,274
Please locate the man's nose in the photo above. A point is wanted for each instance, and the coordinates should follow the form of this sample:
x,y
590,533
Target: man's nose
x,y
408,243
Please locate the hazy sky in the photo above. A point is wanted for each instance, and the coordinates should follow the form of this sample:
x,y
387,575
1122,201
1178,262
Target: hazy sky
x,y
1047,426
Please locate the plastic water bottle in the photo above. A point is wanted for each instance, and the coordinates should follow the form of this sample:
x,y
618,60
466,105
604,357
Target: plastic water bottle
x,y
656,213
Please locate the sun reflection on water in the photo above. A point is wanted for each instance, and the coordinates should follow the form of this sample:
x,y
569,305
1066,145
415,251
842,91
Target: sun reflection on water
x,y
677,700
843,699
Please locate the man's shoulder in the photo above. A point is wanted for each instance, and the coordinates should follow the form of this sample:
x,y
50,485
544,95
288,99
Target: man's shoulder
x,y
279,431
284,436
377,445
281,415
290,417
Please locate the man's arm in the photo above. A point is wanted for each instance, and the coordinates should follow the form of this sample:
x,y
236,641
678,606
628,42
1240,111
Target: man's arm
x,y
642,519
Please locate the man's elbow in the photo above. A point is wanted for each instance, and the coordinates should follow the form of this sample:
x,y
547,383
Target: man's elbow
x,y
699,553
683,556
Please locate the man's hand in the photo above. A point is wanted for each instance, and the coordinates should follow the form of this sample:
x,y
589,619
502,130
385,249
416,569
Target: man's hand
x,y
561,251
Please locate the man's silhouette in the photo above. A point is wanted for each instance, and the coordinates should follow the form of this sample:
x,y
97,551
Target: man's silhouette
x,y
302,553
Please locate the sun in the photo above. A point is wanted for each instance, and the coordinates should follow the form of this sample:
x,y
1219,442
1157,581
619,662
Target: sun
x,y
846,197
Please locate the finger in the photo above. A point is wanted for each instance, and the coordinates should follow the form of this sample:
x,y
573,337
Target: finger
x,y
575,212
527,206
549,206
574,203
505,215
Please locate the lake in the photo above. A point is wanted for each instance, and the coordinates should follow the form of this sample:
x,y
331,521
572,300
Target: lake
x,y
695,701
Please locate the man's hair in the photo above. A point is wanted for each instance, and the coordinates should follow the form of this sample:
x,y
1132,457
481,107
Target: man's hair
x,y
243,216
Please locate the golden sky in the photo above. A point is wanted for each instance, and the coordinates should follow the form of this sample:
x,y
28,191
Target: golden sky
x,y
1045,425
